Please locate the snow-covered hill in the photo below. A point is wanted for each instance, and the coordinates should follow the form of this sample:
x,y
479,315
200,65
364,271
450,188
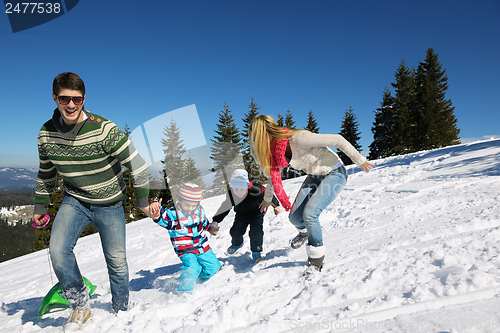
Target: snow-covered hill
x,y
412,246
17,213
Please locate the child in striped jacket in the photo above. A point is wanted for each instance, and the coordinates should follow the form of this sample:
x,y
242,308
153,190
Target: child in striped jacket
x,y
188,225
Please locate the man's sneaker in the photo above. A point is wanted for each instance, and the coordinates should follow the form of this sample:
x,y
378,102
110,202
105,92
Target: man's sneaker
x,y
299,240
78,317
232,249
257,257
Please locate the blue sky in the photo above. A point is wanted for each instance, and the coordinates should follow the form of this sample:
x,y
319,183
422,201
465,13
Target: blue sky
x,y
142,59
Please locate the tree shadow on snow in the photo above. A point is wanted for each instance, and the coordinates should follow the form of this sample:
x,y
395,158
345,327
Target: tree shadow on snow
x,y
155,279
244,263
286,264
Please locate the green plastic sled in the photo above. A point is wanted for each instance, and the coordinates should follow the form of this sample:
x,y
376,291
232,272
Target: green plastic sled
x,y
54,297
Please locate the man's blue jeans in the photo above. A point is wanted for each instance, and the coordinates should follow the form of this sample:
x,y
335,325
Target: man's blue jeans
x,y
71,219
314,195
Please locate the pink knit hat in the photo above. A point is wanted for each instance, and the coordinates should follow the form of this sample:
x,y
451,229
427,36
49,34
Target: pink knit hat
x,y
190,192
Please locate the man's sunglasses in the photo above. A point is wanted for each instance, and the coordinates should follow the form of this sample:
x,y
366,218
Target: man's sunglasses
x,y
64,100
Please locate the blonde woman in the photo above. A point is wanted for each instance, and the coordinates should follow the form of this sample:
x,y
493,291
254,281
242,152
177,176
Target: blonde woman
x,y
275,147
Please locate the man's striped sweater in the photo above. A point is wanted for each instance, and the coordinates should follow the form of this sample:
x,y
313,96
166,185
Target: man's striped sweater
x,y
89,157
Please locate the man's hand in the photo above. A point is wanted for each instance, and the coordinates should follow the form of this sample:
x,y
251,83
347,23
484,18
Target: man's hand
x,y
277,210
153,210
38,219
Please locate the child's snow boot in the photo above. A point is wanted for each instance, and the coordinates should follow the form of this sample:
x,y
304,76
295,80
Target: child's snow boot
x,y
232,249
299,240
257,257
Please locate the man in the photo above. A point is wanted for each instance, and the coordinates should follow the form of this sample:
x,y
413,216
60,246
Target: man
x,y
88,151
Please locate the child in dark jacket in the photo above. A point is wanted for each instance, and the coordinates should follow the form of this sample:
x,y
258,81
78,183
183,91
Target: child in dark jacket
x,y
187,224
245,197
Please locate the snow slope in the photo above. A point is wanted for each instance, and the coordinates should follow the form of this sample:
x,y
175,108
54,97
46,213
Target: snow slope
x,y
412,246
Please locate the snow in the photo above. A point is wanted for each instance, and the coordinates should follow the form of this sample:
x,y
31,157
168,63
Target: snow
x,y
412,246
17,212
4,211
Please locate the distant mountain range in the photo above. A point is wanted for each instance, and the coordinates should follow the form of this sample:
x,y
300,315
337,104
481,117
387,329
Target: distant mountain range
x,y
14,180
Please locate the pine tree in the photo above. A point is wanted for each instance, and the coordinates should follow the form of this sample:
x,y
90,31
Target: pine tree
x,y
191,173
225,151
165,194
173,162
250,165
289,172
132,212
419,117
312,125
17,239
383,127
289,122
249,161
349,130
127,132
280,122
436,122
403,134
157,187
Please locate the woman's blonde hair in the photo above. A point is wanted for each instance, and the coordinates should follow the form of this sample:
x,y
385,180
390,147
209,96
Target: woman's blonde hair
x,y
260,134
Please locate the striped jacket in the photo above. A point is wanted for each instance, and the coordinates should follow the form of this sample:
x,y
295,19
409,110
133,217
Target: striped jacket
x,y
187,232
89,157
